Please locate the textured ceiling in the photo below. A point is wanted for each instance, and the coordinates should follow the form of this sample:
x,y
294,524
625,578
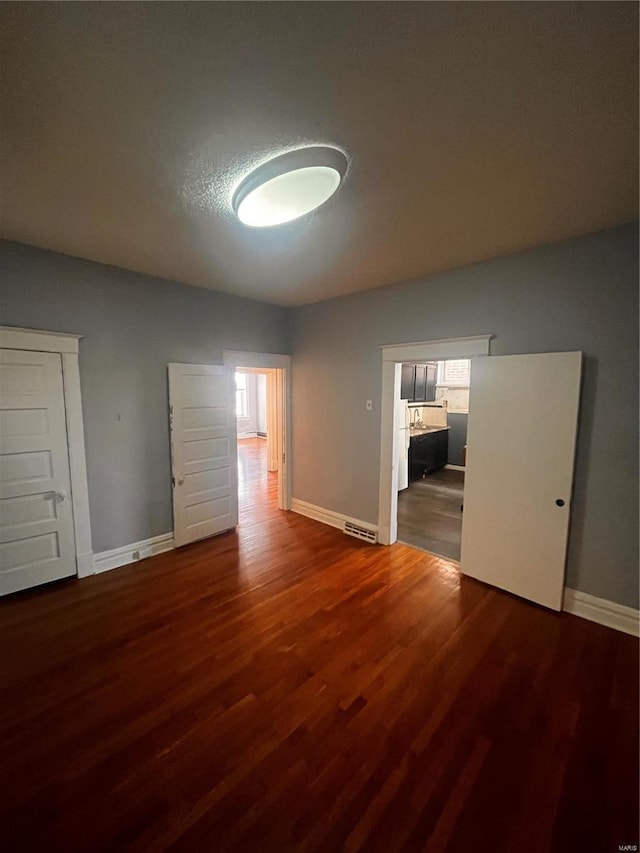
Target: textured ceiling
x,y
473,130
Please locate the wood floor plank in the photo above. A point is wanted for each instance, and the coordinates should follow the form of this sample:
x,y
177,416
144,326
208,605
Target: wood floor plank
x,y
285,687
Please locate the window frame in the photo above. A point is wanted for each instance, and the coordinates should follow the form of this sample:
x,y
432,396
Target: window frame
x,y
443,382
242,408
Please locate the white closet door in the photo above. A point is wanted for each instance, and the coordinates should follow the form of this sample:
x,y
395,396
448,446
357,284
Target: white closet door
x,y
203,450
36,521
523,414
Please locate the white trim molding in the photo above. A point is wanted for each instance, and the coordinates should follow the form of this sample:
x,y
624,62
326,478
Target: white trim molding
x,y
328,516
117,557
256,360
12,337
604,612
34,340
439,350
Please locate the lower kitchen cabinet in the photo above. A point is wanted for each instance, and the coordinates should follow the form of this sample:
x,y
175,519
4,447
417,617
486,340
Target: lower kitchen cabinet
x,y
428,453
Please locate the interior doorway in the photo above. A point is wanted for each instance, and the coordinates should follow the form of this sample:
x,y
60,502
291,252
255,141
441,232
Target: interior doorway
x,y
43,478
431,454
277,370
257,441
204,459
393,414
519,464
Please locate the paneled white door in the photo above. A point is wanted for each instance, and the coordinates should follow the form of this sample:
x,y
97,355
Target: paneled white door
x,y
523,415
203,450
36,518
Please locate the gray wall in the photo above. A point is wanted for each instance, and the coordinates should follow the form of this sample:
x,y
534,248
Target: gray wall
x,y
133,326
457,437
577,295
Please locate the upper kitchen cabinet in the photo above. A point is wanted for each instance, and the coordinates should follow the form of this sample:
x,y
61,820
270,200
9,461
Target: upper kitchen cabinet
x,y
408,381
420,387
418,382
430,383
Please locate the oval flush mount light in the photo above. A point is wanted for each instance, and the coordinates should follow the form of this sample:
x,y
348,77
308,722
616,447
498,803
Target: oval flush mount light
x,y
289,186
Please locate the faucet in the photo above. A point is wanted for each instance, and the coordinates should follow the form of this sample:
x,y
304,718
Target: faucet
x,y
416,417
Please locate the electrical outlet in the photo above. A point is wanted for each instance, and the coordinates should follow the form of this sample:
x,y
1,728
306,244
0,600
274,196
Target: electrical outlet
x,y
369,405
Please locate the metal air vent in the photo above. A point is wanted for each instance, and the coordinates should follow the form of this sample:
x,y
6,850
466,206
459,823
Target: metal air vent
x,y
363,533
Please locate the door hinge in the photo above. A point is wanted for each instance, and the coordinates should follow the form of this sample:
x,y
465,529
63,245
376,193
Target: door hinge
x,y
173,482
284,458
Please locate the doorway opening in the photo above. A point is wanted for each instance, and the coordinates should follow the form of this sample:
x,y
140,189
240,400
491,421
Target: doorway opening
x,y
394,413
519,465
257,442
434,408
263,417
204,459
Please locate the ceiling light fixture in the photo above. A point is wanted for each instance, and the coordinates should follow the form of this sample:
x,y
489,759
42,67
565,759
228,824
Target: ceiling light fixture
x,y
289,186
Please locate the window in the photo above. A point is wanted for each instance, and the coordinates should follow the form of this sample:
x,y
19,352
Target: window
x,y
454,373
453,384
241,395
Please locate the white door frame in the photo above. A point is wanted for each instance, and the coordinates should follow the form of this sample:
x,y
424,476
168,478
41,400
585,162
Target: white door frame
x,y
393,356
281,364
34,340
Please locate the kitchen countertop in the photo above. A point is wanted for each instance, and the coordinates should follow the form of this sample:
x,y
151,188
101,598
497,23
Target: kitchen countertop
x,y
426,429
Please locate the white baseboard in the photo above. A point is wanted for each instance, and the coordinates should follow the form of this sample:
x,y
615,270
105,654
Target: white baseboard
x,y
603,612
456,467
327,516
107,560
242,435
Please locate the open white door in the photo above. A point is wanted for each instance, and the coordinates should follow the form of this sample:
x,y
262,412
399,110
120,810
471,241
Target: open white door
x,y
523,414
36,518
203,450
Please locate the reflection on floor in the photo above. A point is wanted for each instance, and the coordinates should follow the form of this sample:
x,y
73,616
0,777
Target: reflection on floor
x,y
257,487
429,515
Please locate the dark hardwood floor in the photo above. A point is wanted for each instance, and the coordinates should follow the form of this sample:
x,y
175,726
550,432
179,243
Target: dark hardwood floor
x,y
285,687
429,515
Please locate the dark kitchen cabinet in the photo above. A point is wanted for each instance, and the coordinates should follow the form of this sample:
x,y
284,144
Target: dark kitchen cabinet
x,y
430,382
418,382
420,386
407,381
428,452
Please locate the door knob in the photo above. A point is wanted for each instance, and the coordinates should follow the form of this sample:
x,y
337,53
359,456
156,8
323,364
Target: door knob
x,y
180,480
60,496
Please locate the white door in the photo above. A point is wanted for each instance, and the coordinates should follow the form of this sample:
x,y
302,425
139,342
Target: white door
x,y
203,450
523,414
36,519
